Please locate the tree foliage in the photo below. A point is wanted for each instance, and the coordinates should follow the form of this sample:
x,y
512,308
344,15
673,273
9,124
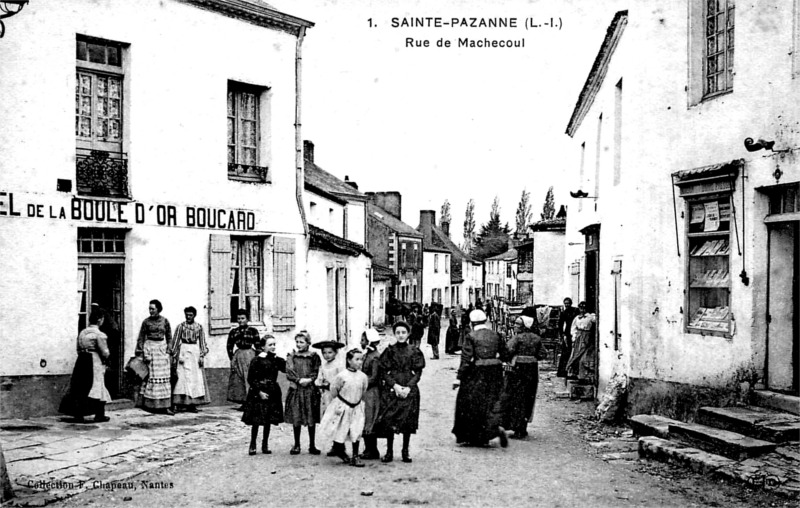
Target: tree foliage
x,y
524,212
549,208
469,227
445,215
492,239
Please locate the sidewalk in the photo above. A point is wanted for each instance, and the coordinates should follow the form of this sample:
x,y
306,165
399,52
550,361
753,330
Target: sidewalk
x,y
49,460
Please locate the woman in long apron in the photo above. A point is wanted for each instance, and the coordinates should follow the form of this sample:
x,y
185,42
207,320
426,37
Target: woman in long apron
x,y
155,337
188,353
87,393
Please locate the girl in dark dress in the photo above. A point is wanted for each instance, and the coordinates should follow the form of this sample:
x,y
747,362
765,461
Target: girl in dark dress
x,y
263,404
401,367
303,398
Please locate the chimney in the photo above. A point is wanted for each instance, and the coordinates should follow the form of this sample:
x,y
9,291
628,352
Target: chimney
x,y
350,183
308,150
427,219
562,213
390,201
446,228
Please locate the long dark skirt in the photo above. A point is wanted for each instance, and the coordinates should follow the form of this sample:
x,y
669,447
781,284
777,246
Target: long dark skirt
x,y
372,406
76,401
237,381
563,359
398,416
519,396
263,412
302,405
478,408
451,339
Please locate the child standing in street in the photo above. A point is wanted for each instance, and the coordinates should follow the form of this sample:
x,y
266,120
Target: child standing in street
x,y
344,418
263,404
327,373
302,400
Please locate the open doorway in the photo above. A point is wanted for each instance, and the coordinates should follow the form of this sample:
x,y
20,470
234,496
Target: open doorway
x,y
101,270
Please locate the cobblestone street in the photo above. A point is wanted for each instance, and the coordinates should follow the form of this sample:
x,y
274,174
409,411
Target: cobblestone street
x,y
193,460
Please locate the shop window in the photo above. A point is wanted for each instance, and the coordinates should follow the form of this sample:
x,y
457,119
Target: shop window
x,y
101,164
708,270
247,157
100,241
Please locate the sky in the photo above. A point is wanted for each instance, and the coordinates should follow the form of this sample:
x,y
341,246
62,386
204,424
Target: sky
x,y
452,123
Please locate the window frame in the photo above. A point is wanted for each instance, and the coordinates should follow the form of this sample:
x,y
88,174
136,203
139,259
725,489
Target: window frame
x,y
238,170
101,70
726,53
436,263
238,243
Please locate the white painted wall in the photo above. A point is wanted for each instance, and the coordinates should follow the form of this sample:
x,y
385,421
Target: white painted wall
x,y
664,132
324,213
176,82
548,258
439,280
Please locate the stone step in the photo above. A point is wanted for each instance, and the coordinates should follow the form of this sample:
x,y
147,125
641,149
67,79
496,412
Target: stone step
x,y
581,392
753,421
724,442
663,450
775,400
119,404
651,425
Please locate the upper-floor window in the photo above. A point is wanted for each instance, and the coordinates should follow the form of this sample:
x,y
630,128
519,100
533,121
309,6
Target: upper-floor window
x,y
403,253
719,46
102,168
247,157
416,257
447,264
508,271
436,263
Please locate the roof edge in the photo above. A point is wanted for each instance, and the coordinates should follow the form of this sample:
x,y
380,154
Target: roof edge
x,y
253,13
598,72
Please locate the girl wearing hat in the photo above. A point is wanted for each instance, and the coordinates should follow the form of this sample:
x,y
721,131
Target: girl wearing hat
x,y
522,376
327,373
401,367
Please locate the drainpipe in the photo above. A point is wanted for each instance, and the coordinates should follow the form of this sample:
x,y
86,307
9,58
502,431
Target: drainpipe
x,y
298,139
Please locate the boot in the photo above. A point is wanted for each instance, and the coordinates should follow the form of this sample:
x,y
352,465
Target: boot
x,y
355,461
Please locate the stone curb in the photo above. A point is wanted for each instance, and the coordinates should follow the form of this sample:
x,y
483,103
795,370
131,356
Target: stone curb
x,y
773,472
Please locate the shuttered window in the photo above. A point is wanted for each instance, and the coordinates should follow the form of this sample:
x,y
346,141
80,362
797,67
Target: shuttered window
x,y
236,280
283,266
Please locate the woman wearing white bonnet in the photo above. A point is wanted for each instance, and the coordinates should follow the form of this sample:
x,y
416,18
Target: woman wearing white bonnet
x,y
522,376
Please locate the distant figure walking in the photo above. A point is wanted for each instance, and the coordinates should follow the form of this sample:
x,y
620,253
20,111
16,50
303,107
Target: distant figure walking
x,y
480,384
522,376
434,331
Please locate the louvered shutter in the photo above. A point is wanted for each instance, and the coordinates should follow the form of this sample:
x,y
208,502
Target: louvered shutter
x,y
283,265
219,268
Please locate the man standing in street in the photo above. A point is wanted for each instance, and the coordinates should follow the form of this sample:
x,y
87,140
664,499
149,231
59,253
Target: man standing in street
x,y
568,314
244,337
434,329
480,385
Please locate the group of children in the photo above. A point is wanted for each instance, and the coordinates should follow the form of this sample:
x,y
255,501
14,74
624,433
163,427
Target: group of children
x,y
344,402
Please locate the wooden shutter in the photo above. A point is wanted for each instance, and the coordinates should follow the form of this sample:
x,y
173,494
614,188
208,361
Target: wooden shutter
x,y
219,269
283,265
